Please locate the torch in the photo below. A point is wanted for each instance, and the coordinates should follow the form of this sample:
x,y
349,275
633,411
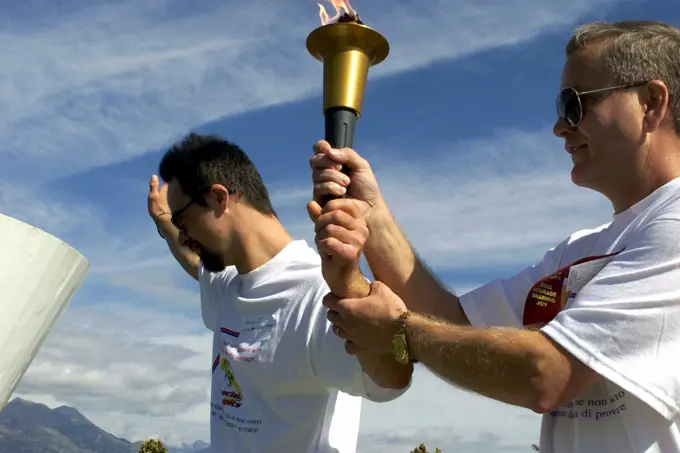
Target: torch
x,y
347,48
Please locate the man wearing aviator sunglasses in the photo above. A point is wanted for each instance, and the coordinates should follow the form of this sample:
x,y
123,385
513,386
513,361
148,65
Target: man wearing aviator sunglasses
x,y
570,101
281,379
590,335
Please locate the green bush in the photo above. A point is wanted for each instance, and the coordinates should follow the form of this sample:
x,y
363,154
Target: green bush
x,y
423,449
152,446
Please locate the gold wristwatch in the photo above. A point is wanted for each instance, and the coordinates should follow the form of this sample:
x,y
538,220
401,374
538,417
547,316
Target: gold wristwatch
x,y
399,342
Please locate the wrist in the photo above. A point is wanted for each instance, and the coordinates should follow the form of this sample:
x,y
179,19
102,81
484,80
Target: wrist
x,y
409,327
380,221
402,349
164,216
385,240
163,224
379,213
349,283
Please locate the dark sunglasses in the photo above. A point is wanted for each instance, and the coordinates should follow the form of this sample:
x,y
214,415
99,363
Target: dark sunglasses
x,y
570,106
177,215
199,200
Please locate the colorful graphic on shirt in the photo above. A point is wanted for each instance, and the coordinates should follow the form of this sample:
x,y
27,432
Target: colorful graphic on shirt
x,y
231,391
549,296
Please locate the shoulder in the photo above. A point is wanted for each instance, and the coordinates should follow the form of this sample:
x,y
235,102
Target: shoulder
x,y
569,249
657,239
656,230
297,269
583,238
207,278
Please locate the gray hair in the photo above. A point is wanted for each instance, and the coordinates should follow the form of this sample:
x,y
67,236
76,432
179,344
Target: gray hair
x,y
636,51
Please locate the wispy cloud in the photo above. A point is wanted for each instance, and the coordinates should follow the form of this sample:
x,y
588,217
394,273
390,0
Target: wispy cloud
x,y
103,81
41,209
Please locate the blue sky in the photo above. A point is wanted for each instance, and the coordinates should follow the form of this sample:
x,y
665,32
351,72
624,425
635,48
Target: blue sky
x,y
457,125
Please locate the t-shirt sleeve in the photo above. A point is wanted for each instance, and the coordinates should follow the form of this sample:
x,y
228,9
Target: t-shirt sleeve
x,y
332,366
209,299
500,303
625,322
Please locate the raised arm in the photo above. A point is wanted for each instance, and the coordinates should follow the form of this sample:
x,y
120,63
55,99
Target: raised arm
x,y
160,214
389,254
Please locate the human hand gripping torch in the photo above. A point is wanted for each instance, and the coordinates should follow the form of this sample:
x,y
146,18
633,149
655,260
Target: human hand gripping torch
x,y
347,48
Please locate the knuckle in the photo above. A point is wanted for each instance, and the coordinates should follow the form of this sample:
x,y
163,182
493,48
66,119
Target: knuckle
x,y
332,231
330,186
334,216
329,174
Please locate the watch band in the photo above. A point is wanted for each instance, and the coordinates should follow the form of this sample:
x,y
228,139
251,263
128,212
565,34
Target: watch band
x,y
400,327
400,330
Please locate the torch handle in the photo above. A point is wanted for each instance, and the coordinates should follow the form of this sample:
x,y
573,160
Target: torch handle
x,y
340,123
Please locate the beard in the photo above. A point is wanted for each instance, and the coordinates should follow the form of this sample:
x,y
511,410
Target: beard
x,y
212,262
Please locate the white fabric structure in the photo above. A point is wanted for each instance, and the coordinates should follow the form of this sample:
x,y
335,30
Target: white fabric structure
x,y
38,276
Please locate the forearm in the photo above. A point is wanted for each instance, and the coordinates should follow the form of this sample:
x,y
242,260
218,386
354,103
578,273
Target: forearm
x,y
502,364
184,255
385,371
393,262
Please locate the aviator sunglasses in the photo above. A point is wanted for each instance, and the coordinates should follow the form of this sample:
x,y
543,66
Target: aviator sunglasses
x,y
570,106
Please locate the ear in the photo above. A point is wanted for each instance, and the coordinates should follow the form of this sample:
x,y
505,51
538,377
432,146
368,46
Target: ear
x,y
655,99
218,198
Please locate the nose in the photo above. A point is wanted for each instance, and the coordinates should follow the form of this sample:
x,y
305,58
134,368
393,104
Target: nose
x,y
561,127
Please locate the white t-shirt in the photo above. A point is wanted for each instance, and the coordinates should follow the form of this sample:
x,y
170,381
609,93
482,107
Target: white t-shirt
x,y
281,379
623,322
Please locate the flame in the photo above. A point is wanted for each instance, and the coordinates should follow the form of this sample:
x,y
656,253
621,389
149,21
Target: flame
x,y
341,7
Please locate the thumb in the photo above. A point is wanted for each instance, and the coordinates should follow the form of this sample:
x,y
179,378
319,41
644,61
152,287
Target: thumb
x,y
376,286
379,288
314,210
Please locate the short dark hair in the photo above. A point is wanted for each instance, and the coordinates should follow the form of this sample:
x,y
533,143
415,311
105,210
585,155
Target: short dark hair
x,y
199,161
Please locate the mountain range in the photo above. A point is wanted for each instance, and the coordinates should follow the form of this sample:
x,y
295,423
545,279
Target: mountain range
x,y
29,427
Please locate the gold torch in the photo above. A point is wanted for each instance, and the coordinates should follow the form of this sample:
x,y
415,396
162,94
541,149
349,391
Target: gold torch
x,y
347,48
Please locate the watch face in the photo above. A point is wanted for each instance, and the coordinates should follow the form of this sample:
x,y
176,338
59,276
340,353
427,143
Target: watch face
x,y
399,348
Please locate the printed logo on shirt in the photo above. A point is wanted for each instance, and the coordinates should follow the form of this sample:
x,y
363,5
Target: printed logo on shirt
x,y
549,295
259,325
248,344
231,391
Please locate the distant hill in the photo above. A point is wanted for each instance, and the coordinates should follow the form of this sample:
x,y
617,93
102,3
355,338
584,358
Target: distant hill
x,y
28,427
